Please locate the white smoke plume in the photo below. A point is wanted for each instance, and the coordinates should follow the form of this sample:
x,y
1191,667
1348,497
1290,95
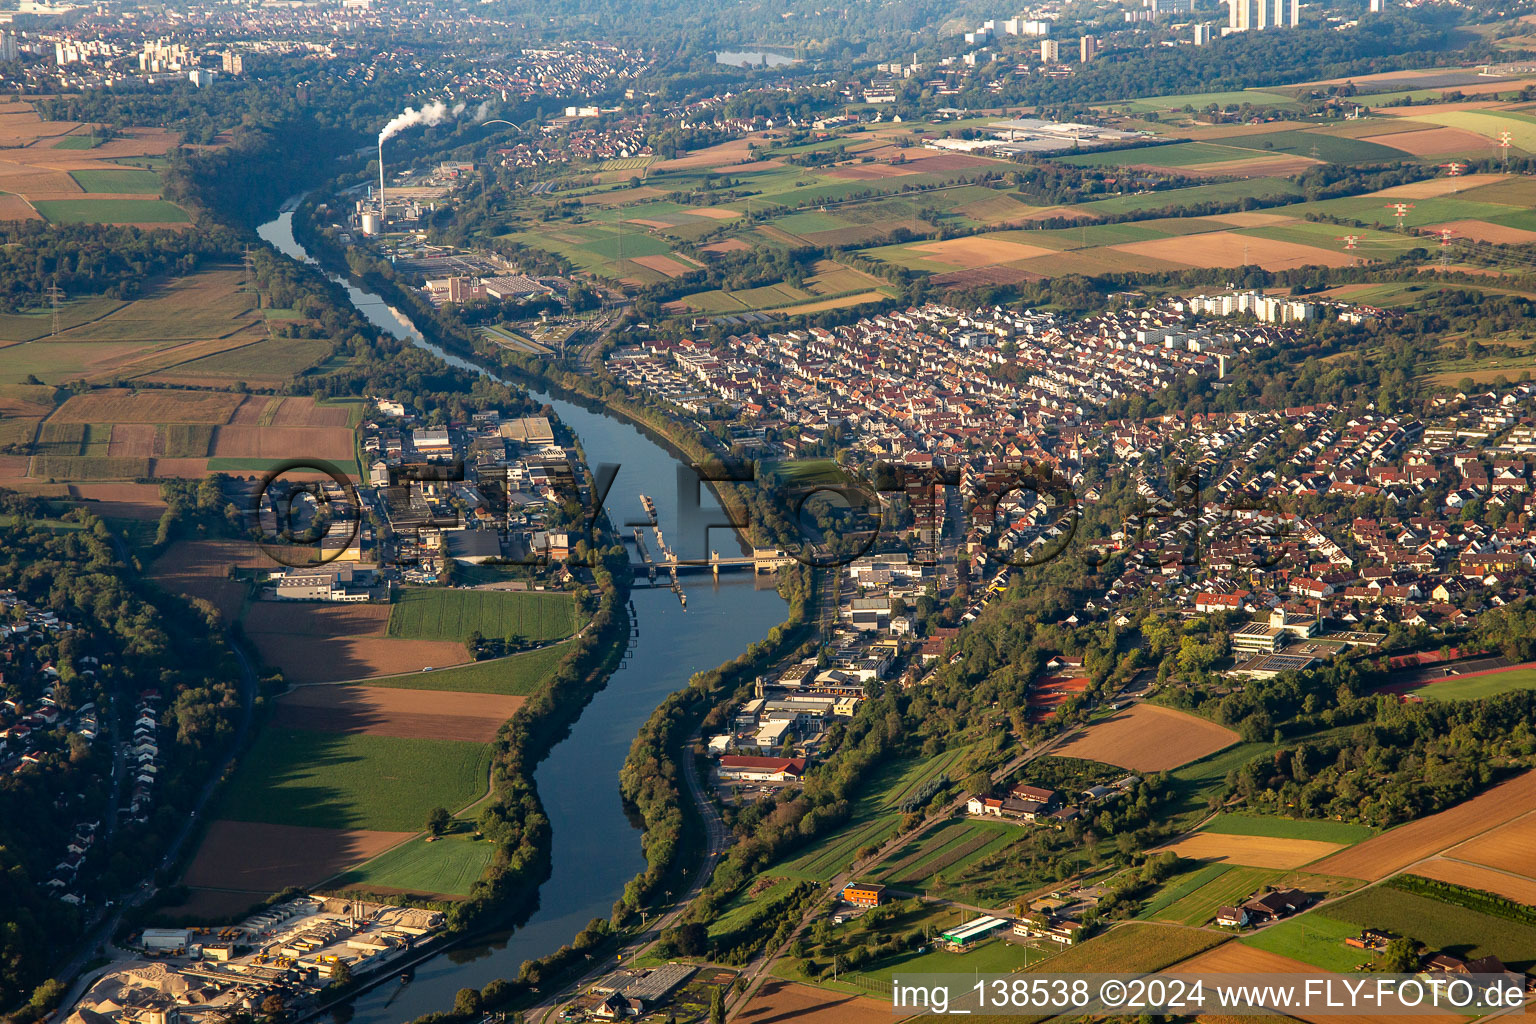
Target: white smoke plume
x,y
482,112
430,114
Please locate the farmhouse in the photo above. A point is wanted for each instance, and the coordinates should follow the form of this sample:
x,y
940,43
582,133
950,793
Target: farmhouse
x,y
1274,905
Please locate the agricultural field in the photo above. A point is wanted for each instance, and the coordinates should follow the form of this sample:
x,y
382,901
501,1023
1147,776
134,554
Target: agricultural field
x,y
1313,938
126,180
1132,948
517,675
328,643
260,859
334,780
1289,828
875,817
1250,850
925,862
778,1001
439,614
1510,848
1198,906
149,212
395,711
1242,958
1148,738
446,867
1519,887
63,172
1440,925
1400,847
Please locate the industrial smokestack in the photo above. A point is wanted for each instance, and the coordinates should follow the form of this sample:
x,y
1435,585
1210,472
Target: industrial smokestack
x,y
381,180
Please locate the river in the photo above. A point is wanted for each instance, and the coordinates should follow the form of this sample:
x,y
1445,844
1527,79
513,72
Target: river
x,y
596,847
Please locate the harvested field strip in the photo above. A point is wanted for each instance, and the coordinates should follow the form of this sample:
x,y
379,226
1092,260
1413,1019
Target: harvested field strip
x,y
394,711
1394,850
1511,886
1149,738
263,858
113,405
1254,851
1510,847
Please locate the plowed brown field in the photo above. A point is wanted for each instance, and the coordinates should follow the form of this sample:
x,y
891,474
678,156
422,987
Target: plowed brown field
x,y
387,711
1149,738
1392,851
264,859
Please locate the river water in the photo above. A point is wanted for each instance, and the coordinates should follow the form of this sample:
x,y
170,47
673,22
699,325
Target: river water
x,y
596,847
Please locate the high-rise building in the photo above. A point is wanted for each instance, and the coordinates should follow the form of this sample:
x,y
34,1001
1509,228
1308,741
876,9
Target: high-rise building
x,y
1202,34
1087,48
1239,15
1050,51
8,50
233,63
1377,6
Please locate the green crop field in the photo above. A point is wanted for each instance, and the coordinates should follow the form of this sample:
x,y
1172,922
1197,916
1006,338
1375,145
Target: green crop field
x,y
995,956
1313,939
1332,148
438,614
111,211
1440,925
78,142
275,359
1179,154
72,313
450,866
339,780
1202,100
1289,828
1478,687
1219,192
1230,887
147,182
1181,885
519,675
